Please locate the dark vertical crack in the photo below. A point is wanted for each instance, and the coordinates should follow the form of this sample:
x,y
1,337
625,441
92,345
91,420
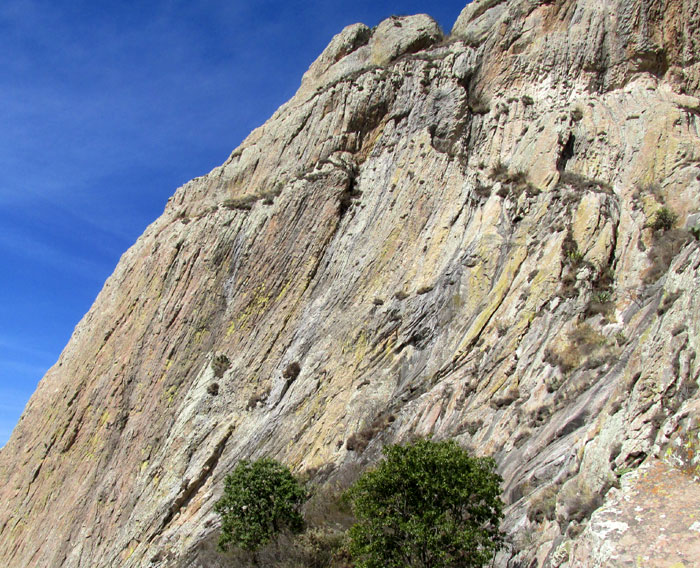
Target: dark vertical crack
x,y
190,489
567,152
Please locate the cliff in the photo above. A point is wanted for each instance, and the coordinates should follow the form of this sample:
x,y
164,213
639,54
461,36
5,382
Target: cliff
x,y
456,236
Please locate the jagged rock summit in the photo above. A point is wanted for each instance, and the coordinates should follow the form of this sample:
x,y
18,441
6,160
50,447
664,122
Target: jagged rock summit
x,y
489,236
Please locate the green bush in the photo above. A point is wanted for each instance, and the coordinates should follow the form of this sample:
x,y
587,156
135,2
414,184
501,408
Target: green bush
x,y
664,219
260,499
426,504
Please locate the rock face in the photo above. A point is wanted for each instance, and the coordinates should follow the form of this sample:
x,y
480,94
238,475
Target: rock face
x,y
637,527
450,236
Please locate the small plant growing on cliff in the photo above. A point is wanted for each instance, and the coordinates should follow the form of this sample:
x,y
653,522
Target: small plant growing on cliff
x,y
241,203
479,104
574,257
220,364
261,499
426,504
664,219
576,114
359,441
291,372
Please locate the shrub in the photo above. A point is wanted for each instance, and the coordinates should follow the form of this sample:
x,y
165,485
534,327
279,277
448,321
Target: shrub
x,y
317,548
583,343
665,246
482,190
499,172
513,182
242,203
599,305
478,104
291,372
260,499
359,441
664,219
220,364
257,398
601,300
668,301
574,257
543,505
582,183
426,504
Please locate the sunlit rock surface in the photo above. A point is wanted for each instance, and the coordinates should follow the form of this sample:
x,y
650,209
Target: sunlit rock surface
x,y
450,236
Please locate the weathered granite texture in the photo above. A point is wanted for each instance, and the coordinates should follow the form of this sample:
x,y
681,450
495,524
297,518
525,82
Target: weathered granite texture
x,y
652,520
450,237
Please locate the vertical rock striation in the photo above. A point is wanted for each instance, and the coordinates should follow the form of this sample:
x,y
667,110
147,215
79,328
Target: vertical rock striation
x,y
449,236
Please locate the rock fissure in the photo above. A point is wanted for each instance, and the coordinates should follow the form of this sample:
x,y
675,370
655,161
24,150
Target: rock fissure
x,y
452,236
190,489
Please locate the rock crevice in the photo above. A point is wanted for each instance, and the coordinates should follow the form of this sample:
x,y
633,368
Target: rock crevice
x,y
452,237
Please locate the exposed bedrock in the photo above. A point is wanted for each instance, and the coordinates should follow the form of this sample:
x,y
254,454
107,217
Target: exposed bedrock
x,y
451,236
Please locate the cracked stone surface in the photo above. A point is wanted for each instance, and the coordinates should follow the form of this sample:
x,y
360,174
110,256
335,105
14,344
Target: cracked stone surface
x,y
652,520
456,232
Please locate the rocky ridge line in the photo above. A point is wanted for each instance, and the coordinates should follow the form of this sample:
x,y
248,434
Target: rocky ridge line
x,y
448,236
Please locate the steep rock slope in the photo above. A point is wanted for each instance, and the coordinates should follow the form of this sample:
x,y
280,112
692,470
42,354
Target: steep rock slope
x,y
447,236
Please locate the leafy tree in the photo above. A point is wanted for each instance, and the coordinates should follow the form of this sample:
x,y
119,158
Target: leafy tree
x,y
260,499
427,504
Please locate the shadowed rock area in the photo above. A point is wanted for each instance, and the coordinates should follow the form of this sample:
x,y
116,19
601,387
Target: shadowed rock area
x,y
456,236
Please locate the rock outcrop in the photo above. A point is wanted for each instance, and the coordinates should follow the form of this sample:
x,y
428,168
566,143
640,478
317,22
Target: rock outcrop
x,y
451,236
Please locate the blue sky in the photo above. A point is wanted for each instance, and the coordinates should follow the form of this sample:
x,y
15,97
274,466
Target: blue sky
x,y
105,109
